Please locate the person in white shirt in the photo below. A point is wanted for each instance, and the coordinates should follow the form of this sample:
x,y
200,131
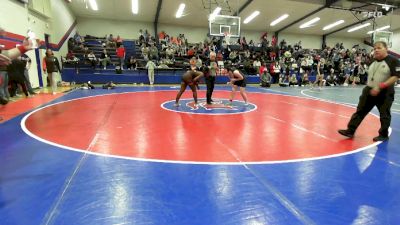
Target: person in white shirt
x,y
150,66
105,58
92,59
257,65
170,52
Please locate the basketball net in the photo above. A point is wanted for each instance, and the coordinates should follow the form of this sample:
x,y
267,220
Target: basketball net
x,y
227,37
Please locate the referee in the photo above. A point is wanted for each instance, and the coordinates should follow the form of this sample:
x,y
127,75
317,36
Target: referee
x,y
383,73
210,77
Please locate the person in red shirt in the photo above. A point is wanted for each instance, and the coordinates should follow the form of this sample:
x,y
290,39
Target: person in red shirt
x,y
121,55
161,35
191,52
70,55
274,41
220,57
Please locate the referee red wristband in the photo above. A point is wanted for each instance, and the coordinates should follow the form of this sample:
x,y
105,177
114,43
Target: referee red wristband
x,y
22,49
383,85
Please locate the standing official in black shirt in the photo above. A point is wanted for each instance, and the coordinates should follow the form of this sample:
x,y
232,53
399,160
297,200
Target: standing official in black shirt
x,y
383,74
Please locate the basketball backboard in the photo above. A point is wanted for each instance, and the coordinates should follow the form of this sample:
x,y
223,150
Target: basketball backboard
x,y
385,36
221,25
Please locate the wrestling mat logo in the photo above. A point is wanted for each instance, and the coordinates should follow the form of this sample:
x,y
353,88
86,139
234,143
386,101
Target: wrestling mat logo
x,y
218,107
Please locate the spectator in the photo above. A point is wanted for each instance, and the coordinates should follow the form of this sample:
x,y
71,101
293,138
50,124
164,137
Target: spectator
x,y
275,71
92,59
233,56
5,59
121,56
169,52
132,64
71,44
118,40
16,76
265,77
257,65
332,79
51,66
150,66
220,57
27,65
78,38
362,71
161,35
282,81
305,80
293,80
191,52
192,63
145,52
111,42
153,52
105,58
199,62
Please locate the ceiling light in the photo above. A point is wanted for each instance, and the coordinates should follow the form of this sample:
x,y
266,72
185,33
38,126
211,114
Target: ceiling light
x,y
383,28
215,12
379,29
358,27
135,6
327,27
180,10
309,23
251,17
275,22
93,5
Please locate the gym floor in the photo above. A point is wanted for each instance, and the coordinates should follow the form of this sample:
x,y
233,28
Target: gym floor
x,y
128,156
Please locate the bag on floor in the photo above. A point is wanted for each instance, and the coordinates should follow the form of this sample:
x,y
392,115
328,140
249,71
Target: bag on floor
x,y
118,70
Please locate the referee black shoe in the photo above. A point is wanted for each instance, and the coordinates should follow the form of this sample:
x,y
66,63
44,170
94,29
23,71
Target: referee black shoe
x,y
380,138
346,133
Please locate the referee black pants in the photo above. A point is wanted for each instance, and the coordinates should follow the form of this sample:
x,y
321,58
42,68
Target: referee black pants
x,y
383,102
210,81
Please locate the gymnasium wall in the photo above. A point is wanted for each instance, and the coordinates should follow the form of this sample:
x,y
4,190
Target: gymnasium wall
x,y
348,43
16,19
307,41
103,27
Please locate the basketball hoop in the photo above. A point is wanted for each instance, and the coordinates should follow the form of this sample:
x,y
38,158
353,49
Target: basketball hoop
x,y
227,37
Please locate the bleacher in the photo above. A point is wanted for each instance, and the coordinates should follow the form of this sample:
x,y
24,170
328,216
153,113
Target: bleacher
x,y
83,72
